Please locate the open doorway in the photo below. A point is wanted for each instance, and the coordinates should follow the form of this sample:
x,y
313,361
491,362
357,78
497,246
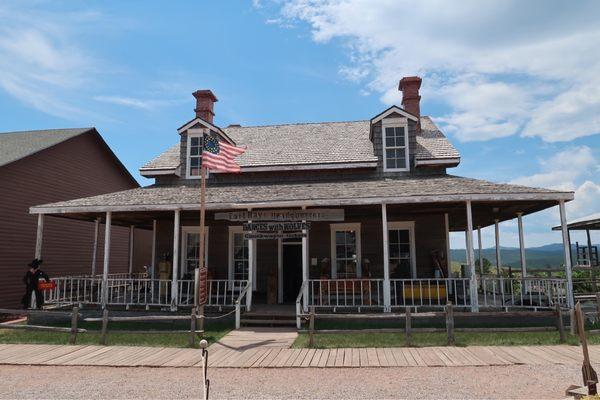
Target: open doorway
x,y
291,260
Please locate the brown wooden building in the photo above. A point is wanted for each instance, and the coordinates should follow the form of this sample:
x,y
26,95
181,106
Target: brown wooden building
x,y
48,166
385,177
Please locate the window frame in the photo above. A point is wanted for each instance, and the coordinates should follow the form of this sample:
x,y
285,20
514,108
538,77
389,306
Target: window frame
x,y
410,226
395,123
354,226
194,133
238,229
184,231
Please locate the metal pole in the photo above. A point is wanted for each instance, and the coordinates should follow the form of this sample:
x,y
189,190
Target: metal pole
x,y
95,249
387,301
567,251
107,226
470,257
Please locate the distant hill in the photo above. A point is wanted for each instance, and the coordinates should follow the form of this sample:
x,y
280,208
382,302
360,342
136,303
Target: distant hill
x,y
547,256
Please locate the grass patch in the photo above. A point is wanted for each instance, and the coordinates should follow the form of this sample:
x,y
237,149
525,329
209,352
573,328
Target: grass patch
x,y
339,340
213,332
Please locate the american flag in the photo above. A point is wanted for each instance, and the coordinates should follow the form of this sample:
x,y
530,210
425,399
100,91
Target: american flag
x,y
219,156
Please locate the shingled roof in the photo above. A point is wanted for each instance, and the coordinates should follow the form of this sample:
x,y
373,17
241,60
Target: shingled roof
x,y
313,143
17,145
431,189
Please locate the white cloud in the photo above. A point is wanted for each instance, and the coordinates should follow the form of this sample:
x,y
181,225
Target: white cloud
x,y
139,103
503,67
41,64
563,170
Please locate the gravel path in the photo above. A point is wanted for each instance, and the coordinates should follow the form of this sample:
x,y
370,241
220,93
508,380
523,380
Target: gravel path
x,y
508,382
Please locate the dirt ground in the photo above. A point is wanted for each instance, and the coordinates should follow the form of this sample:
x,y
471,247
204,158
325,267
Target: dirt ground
x,y
508,382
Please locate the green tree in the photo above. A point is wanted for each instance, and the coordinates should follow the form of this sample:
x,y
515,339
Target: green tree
x,y
487,266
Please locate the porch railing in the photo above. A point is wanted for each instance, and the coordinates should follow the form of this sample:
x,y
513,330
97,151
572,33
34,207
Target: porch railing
x,y
492,293
127,291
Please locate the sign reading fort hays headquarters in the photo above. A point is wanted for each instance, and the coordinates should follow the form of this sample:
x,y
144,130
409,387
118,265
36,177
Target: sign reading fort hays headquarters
x,y
316,214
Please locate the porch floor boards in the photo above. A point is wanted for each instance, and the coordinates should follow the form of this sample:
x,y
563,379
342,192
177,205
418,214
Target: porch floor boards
x,y
280,357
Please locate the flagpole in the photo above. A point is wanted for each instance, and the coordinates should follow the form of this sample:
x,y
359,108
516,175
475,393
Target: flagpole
x,y
201,275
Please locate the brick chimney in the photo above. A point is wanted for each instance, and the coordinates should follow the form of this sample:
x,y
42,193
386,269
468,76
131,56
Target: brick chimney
x,y
205,100
409,86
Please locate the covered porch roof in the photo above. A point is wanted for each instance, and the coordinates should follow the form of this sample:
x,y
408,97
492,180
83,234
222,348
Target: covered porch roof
x,y
589,222
422,194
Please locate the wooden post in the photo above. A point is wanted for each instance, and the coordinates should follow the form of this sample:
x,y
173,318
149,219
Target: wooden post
x,y
131,244
408,327
592,270
305,264
153,266
479,251
95,249
74,318
567,251
470,258
559,324
497,239
450,324
175,279
106,259
104,331
598,305
193,327
589,375
311,328
387,298
39,236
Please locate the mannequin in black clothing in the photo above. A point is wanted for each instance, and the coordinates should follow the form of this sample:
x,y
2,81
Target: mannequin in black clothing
x,y
31,279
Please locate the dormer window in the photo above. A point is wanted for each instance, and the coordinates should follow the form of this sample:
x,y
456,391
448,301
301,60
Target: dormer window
x,y
194,154
395,144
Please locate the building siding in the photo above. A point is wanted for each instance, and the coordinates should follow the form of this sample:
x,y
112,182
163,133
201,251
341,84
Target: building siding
x,y
75,168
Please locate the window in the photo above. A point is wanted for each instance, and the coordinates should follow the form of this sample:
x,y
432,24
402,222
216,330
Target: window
x,y
345,251
401,247
395,146
238,254
194,150
191,249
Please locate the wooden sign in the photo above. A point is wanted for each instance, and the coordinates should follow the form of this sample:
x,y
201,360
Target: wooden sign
x,y
315,214
276,226
274,235
46,285
203,289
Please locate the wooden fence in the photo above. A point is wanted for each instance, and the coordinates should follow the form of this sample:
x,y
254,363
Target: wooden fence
x,y
75,315
448,314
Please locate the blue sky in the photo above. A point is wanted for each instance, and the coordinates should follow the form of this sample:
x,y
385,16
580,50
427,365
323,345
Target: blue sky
x,y
514,85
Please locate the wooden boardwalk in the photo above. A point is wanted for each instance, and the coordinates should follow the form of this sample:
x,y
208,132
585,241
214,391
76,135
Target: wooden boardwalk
x,y
280,357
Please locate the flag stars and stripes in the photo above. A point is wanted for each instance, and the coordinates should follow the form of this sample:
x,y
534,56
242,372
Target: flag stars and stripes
x,y
219,156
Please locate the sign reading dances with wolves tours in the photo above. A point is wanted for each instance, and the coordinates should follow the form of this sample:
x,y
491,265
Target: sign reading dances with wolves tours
x,y
316,214
276,226
274,235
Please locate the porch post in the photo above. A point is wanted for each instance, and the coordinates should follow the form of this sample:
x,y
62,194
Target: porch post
x,y
567,251
387,301
106,259
131,242
479,253
497,237
592,270
470,258
305,265
522,246
153,249
39,236
95,249
251,267
448,261
175,280
280,270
